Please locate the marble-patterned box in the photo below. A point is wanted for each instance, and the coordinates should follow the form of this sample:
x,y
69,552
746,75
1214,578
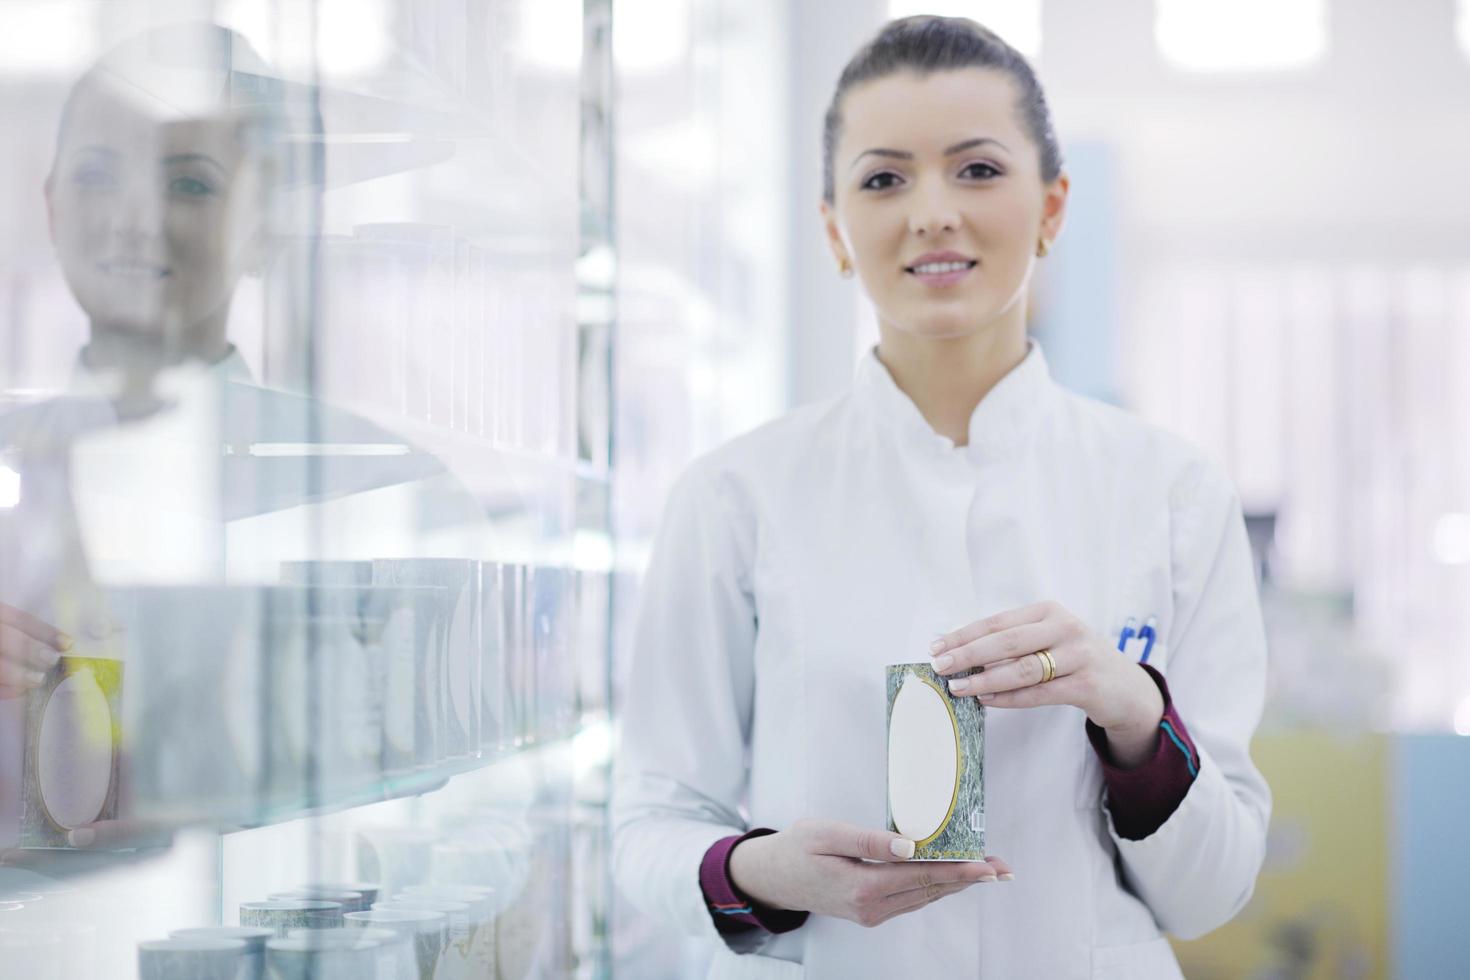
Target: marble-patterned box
x,y
73,733
936,766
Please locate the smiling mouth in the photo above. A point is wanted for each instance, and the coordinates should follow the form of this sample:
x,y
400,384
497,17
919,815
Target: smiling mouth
x,y
948,274
133,269
939,268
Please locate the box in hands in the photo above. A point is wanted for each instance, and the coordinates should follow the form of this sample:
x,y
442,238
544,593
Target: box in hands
x,y
936,765
73,732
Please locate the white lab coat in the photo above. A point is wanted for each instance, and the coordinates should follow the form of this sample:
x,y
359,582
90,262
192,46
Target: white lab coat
x,y
798,560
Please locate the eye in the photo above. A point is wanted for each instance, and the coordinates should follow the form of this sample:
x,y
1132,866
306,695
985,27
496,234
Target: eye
x,y
92,176
189,187
980,170
881,181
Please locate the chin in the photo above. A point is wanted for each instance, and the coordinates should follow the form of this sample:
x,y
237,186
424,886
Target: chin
x,y
942,324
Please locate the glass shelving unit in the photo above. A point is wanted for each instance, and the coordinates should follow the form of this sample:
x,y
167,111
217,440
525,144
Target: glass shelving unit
x,y
306,429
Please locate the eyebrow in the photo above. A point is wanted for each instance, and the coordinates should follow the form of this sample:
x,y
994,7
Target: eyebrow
x,y
195,157
949,151
95,148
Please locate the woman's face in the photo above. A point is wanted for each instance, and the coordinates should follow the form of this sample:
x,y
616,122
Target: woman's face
x,y
153,220
939,200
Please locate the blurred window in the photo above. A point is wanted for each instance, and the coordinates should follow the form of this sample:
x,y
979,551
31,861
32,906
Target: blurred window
x,y
45,36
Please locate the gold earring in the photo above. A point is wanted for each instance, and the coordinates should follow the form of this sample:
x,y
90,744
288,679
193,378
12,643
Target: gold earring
x,y
844,269
1042,247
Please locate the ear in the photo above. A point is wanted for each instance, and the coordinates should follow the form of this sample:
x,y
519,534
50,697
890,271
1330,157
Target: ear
x,y
1054,207
50,207
834,235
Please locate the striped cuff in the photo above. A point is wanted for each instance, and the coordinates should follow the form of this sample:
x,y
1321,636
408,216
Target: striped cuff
x,y
732,911
1141,800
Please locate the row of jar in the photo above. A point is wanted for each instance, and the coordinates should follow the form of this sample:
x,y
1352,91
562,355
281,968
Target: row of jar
x,y
231,706
471,906
421,933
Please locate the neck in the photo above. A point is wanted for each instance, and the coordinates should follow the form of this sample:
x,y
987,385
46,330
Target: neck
x,y
131,353
946,377
134,362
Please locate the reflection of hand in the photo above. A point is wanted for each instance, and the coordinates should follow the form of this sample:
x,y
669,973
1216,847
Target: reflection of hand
x,y
116,834
28,648
95,847
833,868
112,844
1115,693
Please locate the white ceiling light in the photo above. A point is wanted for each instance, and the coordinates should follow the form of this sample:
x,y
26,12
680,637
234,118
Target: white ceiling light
x,y
1451,540
1462,27
1241,35
353,37
44,36
649,36
551,34
1017,21
9,487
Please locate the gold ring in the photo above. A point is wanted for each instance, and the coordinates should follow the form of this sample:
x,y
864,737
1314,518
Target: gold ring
x,y
1048,665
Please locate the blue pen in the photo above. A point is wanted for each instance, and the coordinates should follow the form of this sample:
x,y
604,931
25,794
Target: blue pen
x,y
1148,634
1129,628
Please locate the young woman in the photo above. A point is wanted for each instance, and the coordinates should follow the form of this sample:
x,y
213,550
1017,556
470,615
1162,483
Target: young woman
x,y
955,504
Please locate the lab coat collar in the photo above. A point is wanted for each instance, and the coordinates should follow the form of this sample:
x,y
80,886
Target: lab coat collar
x,y
1003,422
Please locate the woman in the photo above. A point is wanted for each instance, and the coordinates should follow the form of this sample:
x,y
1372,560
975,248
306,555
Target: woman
x,y
955,504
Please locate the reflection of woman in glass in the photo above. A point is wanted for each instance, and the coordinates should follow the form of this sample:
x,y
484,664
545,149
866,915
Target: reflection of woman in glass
x,y
157,196
959,509
157,201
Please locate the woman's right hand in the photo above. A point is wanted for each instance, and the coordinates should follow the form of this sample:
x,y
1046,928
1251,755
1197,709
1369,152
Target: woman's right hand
x,y
28,648
831,868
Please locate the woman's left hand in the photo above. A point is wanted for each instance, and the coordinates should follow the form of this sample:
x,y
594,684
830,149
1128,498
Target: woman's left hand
x,y
1004,650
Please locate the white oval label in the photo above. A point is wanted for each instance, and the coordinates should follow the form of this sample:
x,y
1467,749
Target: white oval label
x,y
74,768
923,760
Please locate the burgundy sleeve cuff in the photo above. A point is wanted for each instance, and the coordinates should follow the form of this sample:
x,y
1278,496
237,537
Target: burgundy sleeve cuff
x,y
1142,799
732,911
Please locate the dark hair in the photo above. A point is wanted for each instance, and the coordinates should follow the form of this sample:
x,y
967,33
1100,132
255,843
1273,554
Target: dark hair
x,y
928,44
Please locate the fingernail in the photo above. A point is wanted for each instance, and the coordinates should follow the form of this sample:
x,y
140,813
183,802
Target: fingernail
x,y
987,878
1007,877
63,642
81,837
936,646
902,847
35,678
959,685
943,663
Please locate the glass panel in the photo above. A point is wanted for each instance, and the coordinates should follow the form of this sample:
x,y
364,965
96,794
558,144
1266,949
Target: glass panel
x,y
305,448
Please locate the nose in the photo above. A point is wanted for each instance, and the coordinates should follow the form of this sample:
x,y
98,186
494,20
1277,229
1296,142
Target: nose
x,y
932,213
138,217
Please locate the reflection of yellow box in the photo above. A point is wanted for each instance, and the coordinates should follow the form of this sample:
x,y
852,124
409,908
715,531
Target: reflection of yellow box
x,y
1320,909
72,737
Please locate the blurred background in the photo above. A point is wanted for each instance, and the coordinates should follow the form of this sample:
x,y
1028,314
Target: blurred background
x,y
524,259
